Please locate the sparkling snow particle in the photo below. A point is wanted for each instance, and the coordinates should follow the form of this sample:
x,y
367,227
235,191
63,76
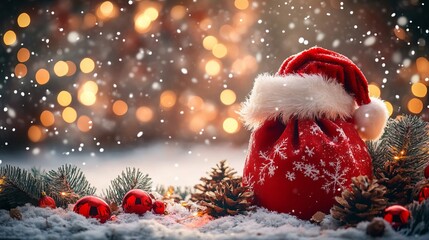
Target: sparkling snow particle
x,y
73,37
184,71
140,134
369,41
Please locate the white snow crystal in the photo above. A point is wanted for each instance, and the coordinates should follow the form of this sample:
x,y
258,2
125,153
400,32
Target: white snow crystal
x,y
369,41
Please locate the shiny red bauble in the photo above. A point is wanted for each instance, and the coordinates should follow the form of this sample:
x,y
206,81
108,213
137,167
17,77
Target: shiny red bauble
x,y
426,172
137,201
93,207
46,201
158,207
397,215
423,194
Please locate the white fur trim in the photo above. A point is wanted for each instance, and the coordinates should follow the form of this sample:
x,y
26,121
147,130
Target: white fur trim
x,y
303,96
370,119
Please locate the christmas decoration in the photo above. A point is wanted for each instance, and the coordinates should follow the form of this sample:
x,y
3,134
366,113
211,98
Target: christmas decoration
x,y
158,207
423,194
228,198
218,174
419,222
398,216
129,179
306,132
317,217
93,207
15,214
421,190
376,228
362,202
46,201
426,173
177,194
137,201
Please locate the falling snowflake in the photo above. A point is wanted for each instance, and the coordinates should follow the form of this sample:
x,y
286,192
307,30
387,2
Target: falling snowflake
x,y
314,129
290,176
267,167
280,149
335,180
309,151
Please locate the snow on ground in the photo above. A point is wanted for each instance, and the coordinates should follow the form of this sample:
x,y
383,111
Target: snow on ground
x,y
41,223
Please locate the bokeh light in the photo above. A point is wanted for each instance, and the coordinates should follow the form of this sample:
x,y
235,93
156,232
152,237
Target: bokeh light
x,y
219,50
9,37
168,99
230,125
120,108
389,107
35,133
419,89
71,68
47,118
64,98
69,115
415,105
23,55
213,67
178,12
20,70
209,42
228,97
24,20
84,123
87,65
144,114
61,68
241,4
374,90
42,76
107,10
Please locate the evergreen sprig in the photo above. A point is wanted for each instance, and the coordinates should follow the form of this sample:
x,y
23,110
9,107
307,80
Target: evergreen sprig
x,y
419,223
67,184
18,187
127,180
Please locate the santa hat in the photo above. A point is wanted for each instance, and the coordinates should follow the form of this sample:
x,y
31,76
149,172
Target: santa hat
x,y
316,83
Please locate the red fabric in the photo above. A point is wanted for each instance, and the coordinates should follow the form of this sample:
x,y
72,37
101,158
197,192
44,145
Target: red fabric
x,y
333,65
300,166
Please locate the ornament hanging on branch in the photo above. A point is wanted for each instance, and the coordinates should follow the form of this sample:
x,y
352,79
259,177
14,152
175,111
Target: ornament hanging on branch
x,y
93,207
421,191
46,201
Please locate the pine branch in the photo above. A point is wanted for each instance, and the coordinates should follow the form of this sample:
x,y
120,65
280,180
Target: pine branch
x,y
67,185
18,187
130,179
419,223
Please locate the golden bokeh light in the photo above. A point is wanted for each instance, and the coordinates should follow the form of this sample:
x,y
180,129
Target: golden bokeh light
x,y
178,12
106,10
120,107
422,66
167,99
228,97
87,98
24,20
144,114
20,70
89,20
23,55
84,123
419,89
197,123
69,115
151,13
64,98
209,42
374,90
35,133
61,68
72,68
87,65
241,4
142,23
415,105
230,125
47,118
219,50
42,76
195,102
9,37
212,67
90,86
389,107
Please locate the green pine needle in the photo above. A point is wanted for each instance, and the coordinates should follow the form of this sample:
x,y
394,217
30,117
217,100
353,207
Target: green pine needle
x,y
419,223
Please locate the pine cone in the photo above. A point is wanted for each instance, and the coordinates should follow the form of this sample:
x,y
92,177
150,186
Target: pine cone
x,y
364,200
398,185
423,183
218,174
229,198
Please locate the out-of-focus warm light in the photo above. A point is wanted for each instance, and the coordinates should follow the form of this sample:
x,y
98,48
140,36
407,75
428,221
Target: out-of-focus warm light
x,y
219,50
230,125
212,67
84,123
210,111
389,107
144,114
209,42
241,4
178,12
69,115
415,105
24,20
72,68
61,68
206,24
20,70
42,76
23,55
9,37
152,13
64,98
90,86
374,90
422,66
167,99
142,23
120,107
228,97
89,20
195,102
106,10
87,98
419,89
400,33
35,133
197,123
87,65
47,118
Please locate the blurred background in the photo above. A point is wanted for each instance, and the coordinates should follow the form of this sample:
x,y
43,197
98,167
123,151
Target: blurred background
x,y
95,77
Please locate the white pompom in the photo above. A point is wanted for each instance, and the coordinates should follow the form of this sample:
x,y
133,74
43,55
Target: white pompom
x,y
370,119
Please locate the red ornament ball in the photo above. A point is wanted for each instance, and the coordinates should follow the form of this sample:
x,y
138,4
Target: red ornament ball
x,y
397,216
93,207
46,201
158,207
427,171
137,201
423,194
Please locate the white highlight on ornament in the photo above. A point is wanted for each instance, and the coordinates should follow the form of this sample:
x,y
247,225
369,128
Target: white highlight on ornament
x,y
370,119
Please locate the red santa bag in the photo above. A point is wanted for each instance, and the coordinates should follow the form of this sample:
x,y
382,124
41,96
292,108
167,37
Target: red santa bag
x,y
307,125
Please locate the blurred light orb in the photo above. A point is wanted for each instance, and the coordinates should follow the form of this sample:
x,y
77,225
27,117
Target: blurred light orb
x,y
24,20
107,9
151,13
61,68
84,123
389,107
90,86
69,115
47,118
9,37
178,12
35,133
219,50
168,99
87,65
87,98
23,55
212,67
415,105
42,76
374,90
228,97
64,98
20,70
209,42
419,89
72,68
230,125
241,4
142,23
120,108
